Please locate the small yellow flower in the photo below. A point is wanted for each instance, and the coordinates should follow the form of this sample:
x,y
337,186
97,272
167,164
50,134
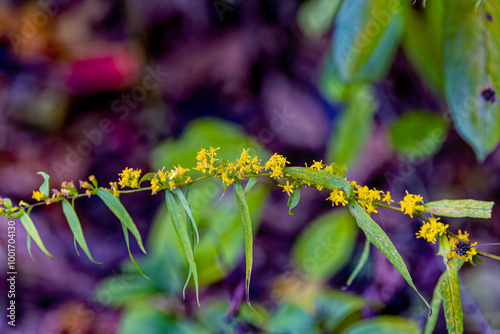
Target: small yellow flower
x,y
431,230
337,197
387,198
412,204
38,196
287,187
92,178
317,165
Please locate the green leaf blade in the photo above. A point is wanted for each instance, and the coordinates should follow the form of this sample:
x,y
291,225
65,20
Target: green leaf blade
x,y
76,227
247,231
460,208
44,188
33,233
324,179
293,201
114,204
182,198
379,239
361,263
181,229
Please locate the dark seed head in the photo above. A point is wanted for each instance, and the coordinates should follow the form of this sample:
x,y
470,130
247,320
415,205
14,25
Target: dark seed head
x,y
462,247
488,94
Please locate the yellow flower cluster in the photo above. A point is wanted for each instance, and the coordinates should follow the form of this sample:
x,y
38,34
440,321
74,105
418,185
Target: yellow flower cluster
x,y
206,160
412,204
462,247
276,164
368,197
288,188
89,186
337,197
38,196
114,188
129,178
228,172
172,178
431,230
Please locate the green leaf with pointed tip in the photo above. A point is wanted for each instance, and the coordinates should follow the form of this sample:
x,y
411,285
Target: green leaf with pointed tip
x,y
181,228
28,245
247,231
379,239
114,204
460,208
44,188
125,234
436,301
76,228
33,233
450,290
250,184
361,262
293,201
471,64
321,178
366,36
187,208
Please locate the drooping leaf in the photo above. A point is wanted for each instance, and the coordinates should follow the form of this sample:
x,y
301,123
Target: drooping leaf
x,y
293,201
181,228
33,233
114,204
125,234
354,127
418,134
76,228
324,179
471,64
326,245
379,239
460,208
450,290
28,245
247,231
366,36
187,208
361,262
44,188
384,324
436,301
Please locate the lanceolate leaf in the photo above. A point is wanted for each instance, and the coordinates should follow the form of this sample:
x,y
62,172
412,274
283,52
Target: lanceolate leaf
x,y
460,208
366,36
33,233
471,64
379,239
360,265
450,289
125,233
251,183
181,229
436,301
76,227
325,179
44,188
114,204
247,231
187,208
293,200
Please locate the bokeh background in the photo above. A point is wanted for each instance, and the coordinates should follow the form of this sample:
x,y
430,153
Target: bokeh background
x,y
91,87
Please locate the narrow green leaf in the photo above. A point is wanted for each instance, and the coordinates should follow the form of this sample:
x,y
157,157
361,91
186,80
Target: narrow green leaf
x,y
28,245
293,201
436,301
7,202
114,204
379,239
247,231
187,208
75,245
76,228
324,179
33,233
460,208
361,262
125,234
471,54
44,188
366,36
450,290
250,184
146,177
181,229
